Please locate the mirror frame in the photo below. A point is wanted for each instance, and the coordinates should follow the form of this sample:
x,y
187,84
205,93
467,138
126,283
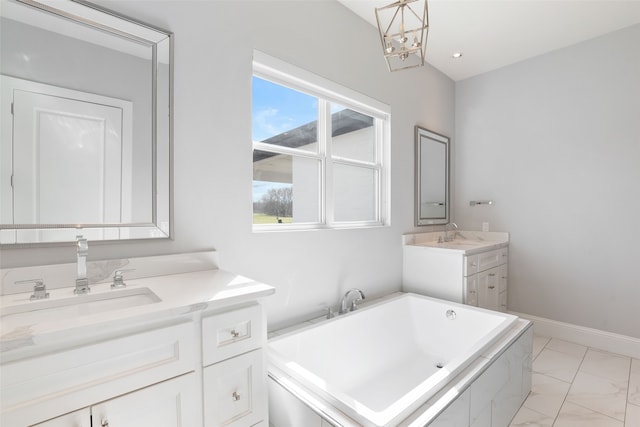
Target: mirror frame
x,y
420,133
161,44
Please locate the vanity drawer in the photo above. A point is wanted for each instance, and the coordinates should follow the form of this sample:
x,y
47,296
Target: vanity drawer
x,y
66,380
235,391
228,334
485,260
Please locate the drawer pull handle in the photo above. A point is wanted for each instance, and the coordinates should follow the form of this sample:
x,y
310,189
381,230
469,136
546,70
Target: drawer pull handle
x,y
492,287
235,334
104,423
472,292
235,396
492,274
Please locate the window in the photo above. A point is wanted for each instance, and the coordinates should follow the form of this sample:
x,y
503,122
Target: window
x,y
319,151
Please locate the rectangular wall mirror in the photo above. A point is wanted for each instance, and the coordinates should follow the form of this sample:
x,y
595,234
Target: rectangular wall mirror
x,y
432,177
86,124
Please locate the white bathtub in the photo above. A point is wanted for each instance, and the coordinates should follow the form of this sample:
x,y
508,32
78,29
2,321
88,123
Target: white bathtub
x,y
380,363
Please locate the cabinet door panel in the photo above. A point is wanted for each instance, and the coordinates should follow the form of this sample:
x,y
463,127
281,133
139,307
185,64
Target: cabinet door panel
x,y
172,403
235,391
503,301
504,277
471,285
488,289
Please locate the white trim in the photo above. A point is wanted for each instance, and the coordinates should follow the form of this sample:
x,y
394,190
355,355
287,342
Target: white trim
x,y
287,74
100,18
603,340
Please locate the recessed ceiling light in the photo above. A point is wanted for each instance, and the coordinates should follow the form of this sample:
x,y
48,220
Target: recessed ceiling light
x,y
457,55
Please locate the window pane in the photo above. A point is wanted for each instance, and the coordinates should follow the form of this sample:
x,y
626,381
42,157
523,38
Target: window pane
x,y
354,193
283,116
352,134
285,189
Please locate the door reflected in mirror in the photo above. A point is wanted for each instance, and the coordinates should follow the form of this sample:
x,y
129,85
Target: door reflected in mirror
x,y
432,177
86,143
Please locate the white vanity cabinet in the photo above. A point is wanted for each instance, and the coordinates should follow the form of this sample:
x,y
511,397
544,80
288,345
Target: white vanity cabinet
x,y
231,383
197,360
473,272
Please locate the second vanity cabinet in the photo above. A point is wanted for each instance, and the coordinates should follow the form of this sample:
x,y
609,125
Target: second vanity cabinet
x,y
473,272
485,279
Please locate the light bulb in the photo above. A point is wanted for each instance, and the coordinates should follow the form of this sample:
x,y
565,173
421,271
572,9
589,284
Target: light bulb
x,y
415,43
389,47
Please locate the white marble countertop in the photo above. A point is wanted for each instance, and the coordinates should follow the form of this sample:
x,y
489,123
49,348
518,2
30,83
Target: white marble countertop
x,y
179,294
465,242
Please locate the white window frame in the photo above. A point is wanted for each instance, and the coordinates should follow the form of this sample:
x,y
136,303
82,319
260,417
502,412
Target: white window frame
x,y
276,71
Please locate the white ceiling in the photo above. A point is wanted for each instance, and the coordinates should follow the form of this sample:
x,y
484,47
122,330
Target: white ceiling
x,y
494,33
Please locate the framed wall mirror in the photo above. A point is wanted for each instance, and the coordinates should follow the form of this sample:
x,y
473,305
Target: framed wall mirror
x,y
432,177
86,133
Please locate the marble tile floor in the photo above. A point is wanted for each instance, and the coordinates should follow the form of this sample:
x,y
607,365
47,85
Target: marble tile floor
x,y
578,386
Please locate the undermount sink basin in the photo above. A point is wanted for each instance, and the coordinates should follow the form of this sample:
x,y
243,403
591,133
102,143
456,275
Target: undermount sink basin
x,y
78,305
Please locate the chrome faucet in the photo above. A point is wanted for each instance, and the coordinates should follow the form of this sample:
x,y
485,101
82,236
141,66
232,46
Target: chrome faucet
x,y
354,303
453,226
82,283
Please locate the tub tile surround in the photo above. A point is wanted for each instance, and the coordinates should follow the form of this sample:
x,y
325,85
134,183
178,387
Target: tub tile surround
x,y
579,386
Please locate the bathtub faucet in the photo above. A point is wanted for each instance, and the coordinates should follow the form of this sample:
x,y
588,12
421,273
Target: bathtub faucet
x,y
354,303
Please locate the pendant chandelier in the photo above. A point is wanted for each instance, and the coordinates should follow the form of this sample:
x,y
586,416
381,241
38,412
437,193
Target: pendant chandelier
x,y
403,27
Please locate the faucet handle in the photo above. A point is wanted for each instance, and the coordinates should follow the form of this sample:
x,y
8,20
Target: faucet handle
x,y
354,303
118,278
39,288
330,313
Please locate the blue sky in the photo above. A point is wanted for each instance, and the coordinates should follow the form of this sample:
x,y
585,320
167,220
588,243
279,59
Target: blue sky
x,y
277,109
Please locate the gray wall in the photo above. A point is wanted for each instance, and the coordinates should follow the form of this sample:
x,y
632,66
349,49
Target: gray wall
x,y
555,142
214,42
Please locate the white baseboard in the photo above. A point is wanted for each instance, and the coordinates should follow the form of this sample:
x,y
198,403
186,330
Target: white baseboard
x,y
608,341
